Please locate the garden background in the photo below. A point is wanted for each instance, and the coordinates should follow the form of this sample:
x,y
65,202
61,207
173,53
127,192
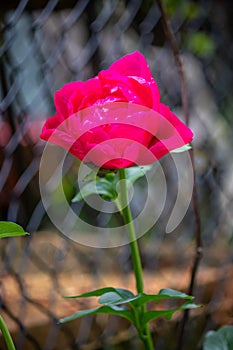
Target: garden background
x,y
45,44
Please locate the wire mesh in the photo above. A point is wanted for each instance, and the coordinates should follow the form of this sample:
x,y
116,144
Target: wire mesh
x,y
45,44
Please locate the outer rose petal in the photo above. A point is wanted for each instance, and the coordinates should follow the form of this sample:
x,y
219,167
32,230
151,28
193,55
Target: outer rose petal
x,y
50,125
171,123
172,133
133,64
132,90
85,95
112,141
118,163
110,154
62,96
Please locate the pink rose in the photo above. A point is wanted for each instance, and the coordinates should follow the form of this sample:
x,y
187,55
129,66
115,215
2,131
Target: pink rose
x,y
116,119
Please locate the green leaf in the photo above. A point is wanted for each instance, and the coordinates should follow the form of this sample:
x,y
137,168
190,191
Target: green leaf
x,y
182,149
152,315
102,291
222,339
113,298
10,229
172,293
134,173
101,186
116,297
144,298
91,176
227,332
121,311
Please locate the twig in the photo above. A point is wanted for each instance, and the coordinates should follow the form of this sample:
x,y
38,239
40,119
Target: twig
x,y
175,50
197,226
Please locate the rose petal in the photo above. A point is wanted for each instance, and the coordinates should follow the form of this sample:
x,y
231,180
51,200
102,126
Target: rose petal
x,y
62,96
85,95
172,133
133,64
127,89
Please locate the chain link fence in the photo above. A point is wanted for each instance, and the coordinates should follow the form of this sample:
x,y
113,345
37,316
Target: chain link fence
x,y
45,44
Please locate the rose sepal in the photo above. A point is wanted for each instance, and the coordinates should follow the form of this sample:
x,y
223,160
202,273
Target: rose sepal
x,y
104,182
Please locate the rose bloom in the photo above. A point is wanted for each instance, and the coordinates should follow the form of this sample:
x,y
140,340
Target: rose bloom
x,y
116,120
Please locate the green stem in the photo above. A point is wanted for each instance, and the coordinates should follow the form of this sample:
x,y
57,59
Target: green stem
x,y
6,335
144,334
